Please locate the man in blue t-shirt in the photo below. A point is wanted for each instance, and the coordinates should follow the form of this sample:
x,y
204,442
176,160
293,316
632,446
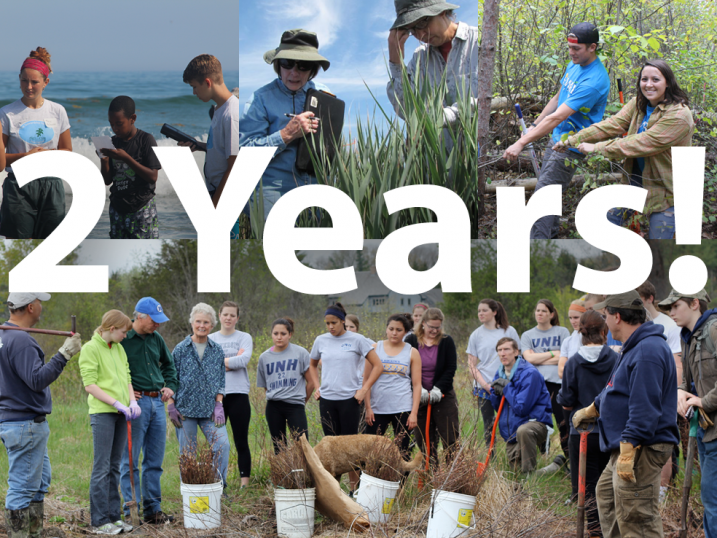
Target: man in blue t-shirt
x,y
579,103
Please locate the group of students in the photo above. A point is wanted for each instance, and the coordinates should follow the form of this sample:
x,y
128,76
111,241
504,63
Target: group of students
x,y
34,124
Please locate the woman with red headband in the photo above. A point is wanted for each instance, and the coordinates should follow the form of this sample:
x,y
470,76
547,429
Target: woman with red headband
x,y
30,125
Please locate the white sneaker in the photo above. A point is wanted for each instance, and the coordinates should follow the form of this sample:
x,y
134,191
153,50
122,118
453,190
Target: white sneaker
x,y
108,528
126,527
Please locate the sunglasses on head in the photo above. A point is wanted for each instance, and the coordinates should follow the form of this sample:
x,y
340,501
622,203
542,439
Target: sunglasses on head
x,y
300,65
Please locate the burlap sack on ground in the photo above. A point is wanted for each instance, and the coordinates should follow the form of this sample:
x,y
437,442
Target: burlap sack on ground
x,y
331,501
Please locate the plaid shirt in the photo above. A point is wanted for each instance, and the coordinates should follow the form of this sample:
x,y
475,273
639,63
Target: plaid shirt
x,y
670,125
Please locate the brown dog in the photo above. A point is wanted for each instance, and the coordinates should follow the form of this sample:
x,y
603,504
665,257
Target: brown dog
x,y
343,453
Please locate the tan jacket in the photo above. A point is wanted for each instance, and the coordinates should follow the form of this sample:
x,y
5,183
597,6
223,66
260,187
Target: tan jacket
x,y
700,366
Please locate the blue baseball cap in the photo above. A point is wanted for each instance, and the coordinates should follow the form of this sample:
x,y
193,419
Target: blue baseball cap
x,y
149,306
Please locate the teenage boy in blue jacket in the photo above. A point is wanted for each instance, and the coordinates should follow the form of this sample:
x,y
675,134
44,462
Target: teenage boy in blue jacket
x,y
526,413
637,420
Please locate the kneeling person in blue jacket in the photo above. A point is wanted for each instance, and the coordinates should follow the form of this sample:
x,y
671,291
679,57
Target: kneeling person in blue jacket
x,y
526,413
637,420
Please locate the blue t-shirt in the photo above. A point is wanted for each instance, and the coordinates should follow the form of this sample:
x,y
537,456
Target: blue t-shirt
x,y
643,127
583,88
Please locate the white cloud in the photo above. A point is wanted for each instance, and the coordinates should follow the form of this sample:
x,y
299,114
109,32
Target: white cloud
x,y
325,17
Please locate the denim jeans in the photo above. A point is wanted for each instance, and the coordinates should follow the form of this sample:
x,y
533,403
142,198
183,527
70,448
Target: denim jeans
x,y
149,433
708,485
29,469
662,225
187,437
109,439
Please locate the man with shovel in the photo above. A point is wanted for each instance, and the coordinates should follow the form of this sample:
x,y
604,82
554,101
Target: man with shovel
x,y
698,387
579,103
637,420
25,402
154,379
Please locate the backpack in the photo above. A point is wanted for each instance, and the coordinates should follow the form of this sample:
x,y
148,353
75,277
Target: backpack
x,y
704,340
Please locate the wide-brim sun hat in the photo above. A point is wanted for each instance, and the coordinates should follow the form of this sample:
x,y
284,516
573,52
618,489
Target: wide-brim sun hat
x,y
300,45
410,11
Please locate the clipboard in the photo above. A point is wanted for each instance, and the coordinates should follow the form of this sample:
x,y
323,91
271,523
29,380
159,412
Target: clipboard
x,y
330,111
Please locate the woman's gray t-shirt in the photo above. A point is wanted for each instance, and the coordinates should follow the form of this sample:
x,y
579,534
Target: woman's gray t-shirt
x,y
341,357
542,341
481,345
282,374
393,392
237,378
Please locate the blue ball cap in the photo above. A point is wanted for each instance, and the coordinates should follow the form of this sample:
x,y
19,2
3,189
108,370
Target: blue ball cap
x,y
149,306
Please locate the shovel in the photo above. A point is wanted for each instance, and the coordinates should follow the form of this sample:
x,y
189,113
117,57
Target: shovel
x,y
688,474
134,514
428,445
482,466
43,331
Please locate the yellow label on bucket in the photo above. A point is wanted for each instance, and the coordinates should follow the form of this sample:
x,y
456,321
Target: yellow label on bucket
x,y
387,505
464,518
198,505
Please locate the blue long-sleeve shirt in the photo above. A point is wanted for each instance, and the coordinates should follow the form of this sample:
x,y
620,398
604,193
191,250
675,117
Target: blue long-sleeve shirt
x,y
25,377
260,123
639,403
199,380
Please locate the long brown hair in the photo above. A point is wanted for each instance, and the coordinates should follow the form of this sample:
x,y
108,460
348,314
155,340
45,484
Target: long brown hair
x,y
555,320
429,315
673,92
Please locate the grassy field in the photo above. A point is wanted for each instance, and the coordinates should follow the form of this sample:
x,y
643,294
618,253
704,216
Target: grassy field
x,y
508,505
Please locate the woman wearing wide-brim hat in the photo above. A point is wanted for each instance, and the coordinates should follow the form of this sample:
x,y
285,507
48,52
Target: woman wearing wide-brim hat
x,y
447,46
265,121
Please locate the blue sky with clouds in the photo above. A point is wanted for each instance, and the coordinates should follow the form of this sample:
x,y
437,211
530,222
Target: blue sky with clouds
x,y
127,35
352,35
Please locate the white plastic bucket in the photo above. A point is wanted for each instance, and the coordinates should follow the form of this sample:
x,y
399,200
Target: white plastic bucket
x,y
295,512
377,497
202,505
450,514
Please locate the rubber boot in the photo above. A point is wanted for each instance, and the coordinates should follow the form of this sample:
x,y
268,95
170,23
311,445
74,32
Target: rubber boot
x,y
554,467
18,523
37,515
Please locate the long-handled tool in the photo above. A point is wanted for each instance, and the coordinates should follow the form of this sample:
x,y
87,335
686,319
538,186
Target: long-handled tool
x,y
688,474
428,445
43,331
133,512
581,482
619,91
482,466
524,129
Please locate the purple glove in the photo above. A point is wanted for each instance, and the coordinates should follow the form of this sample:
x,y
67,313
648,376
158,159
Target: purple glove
x,y
218,415
135,408
126,411
175,416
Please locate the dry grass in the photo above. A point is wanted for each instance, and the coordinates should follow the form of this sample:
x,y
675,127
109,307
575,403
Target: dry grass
x,y
459,474
197,465
383,464
288,467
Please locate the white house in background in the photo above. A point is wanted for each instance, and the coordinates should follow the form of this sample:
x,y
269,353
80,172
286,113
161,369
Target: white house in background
x,y
372,295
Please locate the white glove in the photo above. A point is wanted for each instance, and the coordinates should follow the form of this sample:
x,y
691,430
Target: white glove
x,y
424,396
72,346
436,395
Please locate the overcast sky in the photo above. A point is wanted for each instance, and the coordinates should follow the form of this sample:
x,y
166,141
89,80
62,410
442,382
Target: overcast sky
x,y
131,35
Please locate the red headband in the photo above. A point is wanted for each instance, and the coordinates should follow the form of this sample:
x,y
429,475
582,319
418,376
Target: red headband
x,y
578,308
37,65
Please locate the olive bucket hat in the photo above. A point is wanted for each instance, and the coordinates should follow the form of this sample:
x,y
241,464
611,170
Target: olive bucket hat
x,y
298,45
410,11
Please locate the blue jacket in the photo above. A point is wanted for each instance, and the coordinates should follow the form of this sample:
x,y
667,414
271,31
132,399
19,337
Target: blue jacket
x,y
526,398
259,125
639,403
25,377
199,381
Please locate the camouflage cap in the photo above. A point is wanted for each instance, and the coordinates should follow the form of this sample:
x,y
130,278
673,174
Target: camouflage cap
x,y
630,300
675,296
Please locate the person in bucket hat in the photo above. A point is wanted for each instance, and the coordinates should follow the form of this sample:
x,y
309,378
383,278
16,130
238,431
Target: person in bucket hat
x,y
447,48
636,416
274,114
697,392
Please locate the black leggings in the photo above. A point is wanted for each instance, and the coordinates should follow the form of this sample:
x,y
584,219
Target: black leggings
x,y
560,417
238,410
340,417
279,414
398,421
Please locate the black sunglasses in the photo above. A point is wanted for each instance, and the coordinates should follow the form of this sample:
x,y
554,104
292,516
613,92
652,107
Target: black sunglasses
x,y
422,24
300,65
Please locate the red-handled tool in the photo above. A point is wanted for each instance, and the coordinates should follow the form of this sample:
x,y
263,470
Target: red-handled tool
x,y
619,91
428,445
43,331
133,512
482,466
581,482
